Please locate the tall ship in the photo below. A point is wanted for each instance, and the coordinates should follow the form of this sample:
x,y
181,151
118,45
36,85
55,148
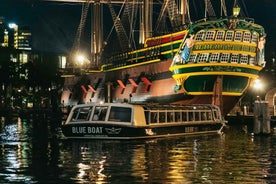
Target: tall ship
x,y
208,60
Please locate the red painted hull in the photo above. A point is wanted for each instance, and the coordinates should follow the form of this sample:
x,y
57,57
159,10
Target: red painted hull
x,y
160,90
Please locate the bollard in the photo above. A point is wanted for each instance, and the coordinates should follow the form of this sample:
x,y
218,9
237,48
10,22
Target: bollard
x,y
261,118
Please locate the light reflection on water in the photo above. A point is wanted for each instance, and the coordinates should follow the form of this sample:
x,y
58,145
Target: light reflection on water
x,y
31,151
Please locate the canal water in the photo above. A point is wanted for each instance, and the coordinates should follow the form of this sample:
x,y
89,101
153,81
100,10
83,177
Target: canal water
x,y
33,151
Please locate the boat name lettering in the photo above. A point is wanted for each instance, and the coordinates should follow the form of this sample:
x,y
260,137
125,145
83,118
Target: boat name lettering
x,y
87,130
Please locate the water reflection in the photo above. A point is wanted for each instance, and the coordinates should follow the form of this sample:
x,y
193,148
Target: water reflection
x,y
31,151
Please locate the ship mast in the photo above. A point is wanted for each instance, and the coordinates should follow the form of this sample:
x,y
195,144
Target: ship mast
x,y
97,32
178,13
146,20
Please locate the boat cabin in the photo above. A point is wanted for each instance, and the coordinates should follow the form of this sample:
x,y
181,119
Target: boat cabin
x,y
143,115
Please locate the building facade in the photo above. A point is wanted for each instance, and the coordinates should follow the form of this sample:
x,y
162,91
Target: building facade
x,y
15,36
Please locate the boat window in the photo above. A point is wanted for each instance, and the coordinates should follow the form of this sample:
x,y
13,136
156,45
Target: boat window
x,y
82,114
192,58
203,116
246,37
184,116
235,58
191,116
252,60
99,113
203,57
196,115
153,117
170,117
120,114
244,59
255,37
177,117
199,36
220,35
216,116
224,58
214,57
162,117
210,35
238,36
209,115
229,36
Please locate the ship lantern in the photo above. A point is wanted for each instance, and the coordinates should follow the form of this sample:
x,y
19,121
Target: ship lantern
x,y
236,11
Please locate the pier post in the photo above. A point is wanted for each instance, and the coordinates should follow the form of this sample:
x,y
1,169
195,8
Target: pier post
x,y
261,118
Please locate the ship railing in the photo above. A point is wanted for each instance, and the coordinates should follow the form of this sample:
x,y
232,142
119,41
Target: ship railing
x,y
174,114
153,53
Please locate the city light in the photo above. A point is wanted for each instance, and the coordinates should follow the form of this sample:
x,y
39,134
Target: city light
x,y
12,25
81,59
257,84
236,11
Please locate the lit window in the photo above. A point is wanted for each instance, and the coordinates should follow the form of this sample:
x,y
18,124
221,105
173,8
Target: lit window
x,y
255,38
199,36
23,58
235,58
224,58
252,60
246,37
210,35
192,58
229,36
214,57
220,35
238,36
203,57
244,59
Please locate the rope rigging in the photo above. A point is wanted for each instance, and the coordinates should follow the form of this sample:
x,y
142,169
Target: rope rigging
x,y
121,33
76,44
84,12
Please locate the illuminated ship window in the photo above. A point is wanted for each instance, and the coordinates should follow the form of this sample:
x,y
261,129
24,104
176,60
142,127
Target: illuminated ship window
x,y
252,60
192,58
214,57
255,38
229,36
203,57
246,37
210,35
199,36
234,58
224,58
244,59
220,35
238,36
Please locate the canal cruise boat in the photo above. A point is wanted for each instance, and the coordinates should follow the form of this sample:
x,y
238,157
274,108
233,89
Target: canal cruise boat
x,y
136,121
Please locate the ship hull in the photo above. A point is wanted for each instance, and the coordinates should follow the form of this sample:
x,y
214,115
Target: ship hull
x,y
160,90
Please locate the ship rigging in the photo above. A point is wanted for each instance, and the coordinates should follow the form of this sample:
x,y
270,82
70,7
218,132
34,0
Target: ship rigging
x,y
178,59
133,22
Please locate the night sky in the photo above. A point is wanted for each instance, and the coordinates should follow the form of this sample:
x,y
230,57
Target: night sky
x,y
54,24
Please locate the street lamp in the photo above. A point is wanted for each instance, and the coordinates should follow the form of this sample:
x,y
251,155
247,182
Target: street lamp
x,y
257,84
81,60
258,87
